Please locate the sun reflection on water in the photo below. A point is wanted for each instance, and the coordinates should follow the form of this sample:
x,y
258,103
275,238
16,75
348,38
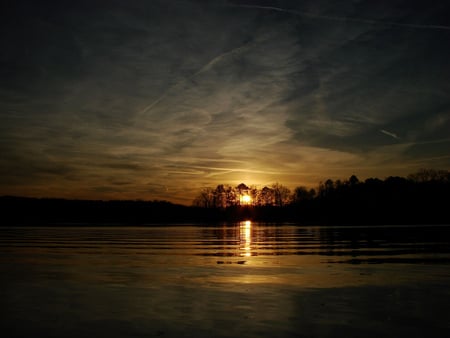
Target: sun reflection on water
x,y
245,232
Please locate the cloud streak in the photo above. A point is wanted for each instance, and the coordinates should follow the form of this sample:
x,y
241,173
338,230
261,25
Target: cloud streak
x,y
179,86
388,133
156,100
346,19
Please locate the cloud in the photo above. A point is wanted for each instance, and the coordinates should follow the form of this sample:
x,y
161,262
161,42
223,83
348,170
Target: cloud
x,y
345,19
158,99
389,134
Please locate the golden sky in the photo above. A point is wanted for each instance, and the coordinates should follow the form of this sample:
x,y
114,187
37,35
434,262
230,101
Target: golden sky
x,y
158,99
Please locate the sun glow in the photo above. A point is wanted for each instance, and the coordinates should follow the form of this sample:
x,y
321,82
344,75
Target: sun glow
x,y
246,199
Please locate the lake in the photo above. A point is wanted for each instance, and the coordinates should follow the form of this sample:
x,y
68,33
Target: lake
x,y
233,280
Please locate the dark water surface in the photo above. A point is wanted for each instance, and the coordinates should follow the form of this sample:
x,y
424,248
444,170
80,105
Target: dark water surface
x,y
242,280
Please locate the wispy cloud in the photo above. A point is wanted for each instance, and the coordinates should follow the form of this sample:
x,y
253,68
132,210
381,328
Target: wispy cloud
x,y
391,134
346,18
158,99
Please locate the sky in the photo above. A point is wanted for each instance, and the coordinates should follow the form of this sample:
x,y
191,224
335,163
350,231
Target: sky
x,y
159,99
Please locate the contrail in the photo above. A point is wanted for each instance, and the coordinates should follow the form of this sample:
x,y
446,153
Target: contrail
x,y
385,132
219,58
345,19
154,103
191,78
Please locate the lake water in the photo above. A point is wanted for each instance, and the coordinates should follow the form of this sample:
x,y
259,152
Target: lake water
x,y
235,280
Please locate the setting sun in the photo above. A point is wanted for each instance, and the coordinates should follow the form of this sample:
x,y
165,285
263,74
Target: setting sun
x,y
246,199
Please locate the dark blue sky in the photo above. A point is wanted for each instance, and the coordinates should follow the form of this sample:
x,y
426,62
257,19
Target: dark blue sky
x,y
157,99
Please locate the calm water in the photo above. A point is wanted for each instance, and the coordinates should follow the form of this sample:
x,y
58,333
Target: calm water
x,y
242,280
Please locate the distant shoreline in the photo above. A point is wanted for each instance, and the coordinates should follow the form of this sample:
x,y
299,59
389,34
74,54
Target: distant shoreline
x,y
224,224
23,211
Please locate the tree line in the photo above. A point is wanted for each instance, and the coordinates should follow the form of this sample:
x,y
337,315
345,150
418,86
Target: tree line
x,y
224,196
421,197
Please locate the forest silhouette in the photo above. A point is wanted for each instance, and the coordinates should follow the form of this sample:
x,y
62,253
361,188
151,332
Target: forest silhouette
x,y
419,198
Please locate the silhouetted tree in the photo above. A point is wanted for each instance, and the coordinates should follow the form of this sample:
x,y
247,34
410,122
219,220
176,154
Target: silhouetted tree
x,y
254,193
231,196
205,198
353,180
281,194
302,194
266,197
427,175
242,190
325,189
220,198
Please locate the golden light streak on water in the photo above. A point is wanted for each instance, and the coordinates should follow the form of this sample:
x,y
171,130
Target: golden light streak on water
x,y
245,232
